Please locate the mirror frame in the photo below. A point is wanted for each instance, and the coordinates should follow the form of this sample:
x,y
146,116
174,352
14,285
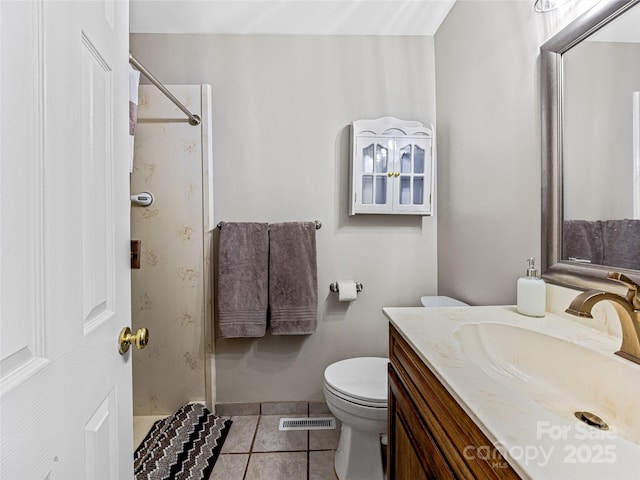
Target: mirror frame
x,y
556,270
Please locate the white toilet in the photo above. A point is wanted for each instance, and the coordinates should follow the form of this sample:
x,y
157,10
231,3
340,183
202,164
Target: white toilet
x,y
355,390
441,301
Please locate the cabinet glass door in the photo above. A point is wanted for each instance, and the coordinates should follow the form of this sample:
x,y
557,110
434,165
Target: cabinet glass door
x,y
413,182
373,182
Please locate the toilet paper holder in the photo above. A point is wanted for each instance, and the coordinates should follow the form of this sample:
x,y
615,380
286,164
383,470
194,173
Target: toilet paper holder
x,y
334,287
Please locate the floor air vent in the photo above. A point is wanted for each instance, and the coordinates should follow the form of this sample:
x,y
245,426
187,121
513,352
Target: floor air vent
x,y
318,423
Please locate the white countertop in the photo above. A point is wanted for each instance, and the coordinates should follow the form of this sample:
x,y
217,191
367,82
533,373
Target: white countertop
x,y
538,442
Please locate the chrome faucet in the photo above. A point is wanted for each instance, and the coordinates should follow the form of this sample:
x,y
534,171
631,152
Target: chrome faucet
x,y
627,308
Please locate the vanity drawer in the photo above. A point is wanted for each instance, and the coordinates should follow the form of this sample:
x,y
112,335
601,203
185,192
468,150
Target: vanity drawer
x,y
433,420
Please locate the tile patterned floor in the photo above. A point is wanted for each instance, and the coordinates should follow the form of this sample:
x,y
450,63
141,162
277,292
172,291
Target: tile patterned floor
x,y
256,450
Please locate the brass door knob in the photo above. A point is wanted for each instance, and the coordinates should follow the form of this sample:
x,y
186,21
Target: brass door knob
x,y
140,339
390,174
397,174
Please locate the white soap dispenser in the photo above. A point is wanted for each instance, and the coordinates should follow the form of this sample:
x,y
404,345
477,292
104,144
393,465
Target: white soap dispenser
x,y
532,292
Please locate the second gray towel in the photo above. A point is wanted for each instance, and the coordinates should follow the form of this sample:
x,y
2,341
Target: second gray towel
x,y
293,281
621,241
243,279
582,239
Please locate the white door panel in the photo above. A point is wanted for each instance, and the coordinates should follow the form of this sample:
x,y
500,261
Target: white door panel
x,y
65,391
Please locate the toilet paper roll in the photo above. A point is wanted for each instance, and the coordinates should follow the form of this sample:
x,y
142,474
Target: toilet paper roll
x,y
347,290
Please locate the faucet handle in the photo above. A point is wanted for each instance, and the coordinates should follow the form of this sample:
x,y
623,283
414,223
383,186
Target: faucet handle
x,y
633,292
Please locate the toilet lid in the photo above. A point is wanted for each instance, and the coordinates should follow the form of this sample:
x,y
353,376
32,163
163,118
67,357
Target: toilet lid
x,y
363,378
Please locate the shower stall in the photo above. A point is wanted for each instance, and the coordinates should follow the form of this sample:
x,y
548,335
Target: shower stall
x,y
171,291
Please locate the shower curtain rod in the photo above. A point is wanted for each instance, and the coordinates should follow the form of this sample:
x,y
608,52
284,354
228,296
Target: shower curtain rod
x,y
193,119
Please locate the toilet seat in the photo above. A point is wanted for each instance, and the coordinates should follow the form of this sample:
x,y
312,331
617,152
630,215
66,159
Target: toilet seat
x,y
358,402
362,381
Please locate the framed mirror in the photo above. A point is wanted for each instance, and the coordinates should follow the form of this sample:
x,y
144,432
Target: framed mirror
x,y
590,80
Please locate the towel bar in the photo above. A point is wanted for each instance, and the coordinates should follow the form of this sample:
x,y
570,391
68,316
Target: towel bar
x,y
317,222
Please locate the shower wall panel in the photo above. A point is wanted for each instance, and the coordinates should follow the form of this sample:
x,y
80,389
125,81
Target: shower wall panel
x,y
171,293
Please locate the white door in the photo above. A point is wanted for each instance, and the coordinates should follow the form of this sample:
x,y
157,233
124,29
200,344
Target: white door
x,y
65,391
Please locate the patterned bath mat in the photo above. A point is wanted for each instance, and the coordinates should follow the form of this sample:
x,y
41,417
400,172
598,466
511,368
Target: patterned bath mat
x,y
184,445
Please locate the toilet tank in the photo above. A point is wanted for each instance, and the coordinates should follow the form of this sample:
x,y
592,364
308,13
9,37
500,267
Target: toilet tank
x,y
441,301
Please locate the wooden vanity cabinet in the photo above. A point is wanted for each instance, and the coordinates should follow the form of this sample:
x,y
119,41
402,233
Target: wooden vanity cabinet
x,y
430,435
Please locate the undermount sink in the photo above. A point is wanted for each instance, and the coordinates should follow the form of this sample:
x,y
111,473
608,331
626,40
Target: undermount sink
x,y
561,376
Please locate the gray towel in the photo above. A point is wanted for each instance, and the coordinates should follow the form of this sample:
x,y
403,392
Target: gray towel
x,y
293,281
621,240
582,239
243,279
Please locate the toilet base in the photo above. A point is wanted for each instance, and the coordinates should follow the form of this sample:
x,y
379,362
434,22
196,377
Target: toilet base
x,y
358,456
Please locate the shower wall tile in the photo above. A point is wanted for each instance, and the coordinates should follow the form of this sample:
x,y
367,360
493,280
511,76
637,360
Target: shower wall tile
x,y
170,293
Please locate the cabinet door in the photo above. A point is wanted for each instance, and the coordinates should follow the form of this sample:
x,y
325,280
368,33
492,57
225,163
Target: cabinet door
x,y
413,453
407,464
373,175
412,176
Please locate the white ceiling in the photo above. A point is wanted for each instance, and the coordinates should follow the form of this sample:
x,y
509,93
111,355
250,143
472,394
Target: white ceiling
x,y
289,17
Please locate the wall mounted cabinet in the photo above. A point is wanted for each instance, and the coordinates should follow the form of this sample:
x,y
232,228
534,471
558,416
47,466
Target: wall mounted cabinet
x,y
392,166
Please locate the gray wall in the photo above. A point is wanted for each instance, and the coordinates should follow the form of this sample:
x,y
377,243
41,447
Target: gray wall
x,y
281,110
489,169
